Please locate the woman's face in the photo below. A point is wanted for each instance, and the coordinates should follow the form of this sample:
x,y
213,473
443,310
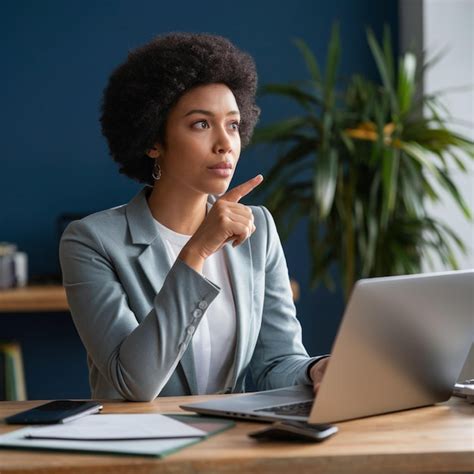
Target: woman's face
x,y
202,141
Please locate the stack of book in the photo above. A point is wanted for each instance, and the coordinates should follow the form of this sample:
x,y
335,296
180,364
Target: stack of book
x,y
12,375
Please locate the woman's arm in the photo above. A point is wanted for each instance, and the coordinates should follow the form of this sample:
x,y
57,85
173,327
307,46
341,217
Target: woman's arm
x,y
137,359
280,358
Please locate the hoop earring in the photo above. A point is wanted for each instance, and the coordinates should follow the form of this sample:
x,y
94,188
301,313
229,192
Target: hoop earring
x,y
156,174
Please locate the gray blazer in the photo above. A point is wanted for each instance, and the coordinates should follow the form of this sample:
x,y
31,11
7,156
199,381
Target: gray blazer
x,y
136,310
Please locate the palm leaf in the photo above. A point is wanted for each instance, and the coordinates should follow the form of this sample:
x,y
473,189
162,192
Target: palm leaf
x,y
382,68
325,180
447,183
290,163
294,92
280,131
406,82
420,154
310,60
332,62
388,54
390,165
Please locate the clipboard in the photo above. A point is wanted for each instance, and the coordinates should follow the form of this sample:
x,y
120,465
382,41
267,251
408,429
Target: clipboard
x,y
157,448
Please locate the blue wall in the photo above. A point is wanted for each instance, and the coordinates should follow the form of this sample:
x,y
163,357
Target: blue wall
x,y
56,59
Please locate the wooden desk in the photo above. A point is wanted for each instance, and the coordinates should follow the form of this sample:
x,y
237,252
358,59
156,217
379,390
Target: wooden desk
x,y
32,299
433,439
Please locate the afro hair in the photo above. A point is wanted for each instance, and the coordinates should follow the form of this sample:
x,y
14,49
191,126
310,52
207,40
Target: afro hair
x,y
141,92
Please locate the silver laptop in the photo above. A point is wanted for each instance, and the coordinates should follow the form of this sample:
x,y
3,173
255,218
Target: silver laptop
x,y
402,344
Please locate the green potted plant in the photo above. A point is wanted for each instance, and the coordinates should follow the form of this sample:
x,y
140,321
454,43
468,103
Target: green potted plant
x,y
360,163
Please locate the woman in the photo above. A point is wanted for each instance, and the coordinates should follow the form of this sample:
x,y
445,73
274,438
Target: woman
x,y
184,290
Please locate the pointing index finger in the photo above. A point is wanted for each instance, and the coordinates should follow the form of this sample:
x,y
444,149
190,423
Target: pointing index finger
x,y
237,193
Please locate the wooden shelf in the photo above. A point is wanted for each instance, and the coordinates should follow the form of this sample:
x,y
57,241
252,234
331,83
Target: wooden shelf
x,y
44,298
32,299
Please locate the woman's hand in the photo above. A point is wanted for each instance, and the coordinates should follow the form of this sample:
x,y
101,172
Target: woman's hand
x,y
228,220
317,373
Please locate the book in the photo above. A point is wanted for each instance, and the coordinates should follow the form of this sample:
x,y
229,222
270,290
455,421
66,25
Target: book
x,y
2,376
13,371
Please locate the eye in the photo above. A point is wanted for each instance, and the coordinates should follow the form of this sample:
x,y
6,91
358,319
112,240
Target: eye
x,y
235,126
201,124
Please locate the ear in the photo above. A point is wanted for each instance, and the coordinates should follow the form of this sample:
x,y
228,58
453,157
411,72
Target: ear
x,y
155,151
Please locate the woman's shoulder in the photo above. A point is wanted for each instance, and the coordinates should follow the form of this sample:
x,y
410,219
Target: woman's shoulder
x,y
114,220
266,231
262,216
102,223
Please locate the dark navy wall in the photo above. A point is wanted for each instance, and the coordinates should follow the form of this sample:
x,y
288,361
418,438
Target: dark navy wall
x,y
56,58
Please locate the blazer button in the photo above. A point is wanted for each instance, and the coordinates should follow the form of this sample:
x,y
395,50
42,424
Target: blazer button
x,y
202,305
191,330
197,313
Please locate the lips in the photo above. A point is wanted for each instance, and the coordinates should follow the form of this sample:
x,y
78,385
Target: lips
x,y
221,166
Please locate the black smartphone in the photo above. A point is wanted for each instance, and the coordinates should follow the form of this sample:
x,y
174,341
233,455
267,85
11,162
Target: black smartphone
x,y
58,411
294,431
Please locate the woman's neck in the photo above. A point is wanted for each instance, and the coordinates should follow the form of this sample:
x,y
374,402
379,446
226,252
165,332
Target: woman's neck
x,y
174,209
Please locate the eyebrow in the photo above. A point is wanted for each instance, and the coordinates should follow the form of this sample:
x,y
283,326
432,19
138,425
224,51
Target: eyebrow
x,y
209,113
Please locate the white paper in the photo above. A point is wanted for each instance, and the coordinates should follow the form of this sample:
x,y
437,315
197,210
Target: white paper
x,y
147,447
116,427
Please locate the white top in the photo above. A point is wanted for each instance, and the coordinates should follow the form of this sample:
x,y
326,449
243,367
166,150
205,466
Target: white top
x,y
214,339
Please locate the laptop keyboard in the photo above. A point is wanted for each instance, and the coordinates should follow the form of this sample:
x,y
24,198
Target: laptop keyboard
x,y
291,409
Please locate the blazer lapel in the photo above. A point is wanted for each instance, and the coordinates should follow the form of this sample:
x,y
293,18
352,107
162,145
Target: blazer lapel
x,y
152,261
144,233
239,264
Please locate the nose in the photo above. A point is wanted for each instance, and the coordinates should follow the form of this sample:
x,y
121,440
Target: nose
x,y
223,143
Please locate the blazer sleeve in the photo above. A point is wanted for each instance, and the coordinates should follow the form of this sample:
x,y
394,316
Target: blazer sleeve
x,y
279,359
136,358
